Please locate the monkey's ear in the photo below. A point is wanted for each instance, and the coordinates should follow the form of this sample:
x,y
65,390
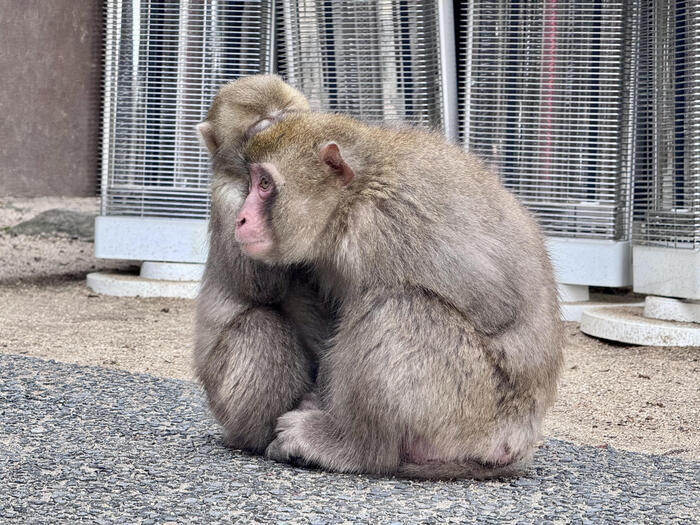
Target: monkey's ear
x,y
206,134
331,157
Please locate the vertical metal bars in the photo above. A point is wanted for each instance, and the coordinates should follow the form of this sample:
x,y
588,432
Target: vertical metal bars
x,y
667,182
547,95
164,60
378,60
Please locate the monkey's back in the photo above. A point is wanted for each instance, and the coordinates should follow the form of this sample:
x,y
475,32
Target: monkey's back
x,y
449,225
484,254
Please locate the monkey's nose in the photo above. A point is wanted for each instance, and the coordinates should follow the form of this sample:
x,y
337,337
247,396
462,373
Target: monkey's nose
x,y
240,221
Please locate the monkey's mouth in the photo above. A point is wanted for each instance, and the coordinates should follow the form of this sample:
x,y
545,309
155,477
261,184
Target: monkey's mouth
x,y
256,249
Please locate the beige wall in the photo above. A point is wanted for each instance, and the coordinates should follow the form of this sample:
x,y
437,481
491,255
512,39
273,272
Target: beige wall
x,y
50,73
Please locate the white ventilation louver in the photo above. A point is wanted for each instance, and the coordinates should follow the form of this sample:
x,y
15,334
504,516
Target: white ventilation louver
x,y
667,183
547,96
378,60
164,61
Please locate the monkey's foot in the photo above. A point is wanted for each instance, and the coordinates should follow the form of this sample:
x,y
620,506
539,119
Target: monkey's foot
x,y
291,443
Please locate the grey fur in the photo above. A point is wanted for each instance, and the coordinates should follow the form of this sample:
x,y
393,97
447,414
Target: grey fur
x,y
259,329
448,348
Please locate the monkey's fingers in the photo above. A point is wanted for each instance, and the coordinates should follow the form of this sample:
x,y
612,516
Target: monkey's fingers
x,y
277,451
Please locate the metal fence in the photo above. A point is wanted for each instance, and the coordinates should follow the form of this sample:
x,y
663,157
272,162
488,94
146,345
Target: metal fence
x,y
547,95
567,99
164,60
667,186
378,60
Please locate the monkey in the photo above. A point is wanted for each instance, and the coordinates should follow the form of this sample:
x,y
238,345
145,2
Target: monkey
x,y
447,347
245,107
258,328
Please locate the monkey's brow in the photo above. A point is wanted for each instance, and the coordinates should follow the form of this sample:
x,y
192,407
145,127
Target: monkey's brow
x,y
263,169
224,159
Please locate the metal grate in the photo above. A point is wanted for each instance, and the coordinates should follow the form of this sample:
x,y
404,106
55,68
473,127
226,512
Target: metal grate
x,y
546,95
164,60
667,181
378,60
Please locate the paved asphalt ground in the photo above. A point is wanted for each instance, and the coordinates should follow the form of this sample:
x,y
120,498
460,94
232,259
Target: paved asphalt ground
x,y
104,446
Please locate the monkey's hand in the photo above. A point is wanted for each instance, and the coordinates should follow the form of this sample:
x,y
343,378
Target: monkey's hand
x,y
292,443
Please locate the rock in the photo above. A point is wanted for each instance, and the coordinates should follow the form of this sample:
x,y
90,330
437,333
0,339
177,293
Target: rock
x,y
74,223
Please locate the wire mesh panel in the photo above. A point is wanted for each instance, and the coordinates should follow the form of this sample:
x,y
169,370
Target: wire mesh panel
x,y
667,182
378,60
547,95
164,60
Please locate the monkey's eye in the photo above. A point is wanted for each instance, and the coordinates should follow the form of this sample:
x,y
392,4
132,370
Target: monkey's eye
x,y
265,184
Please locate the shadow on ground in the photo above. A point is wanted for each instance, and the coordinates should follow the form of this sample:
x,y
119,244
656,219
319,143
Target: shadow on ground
x,y
84,443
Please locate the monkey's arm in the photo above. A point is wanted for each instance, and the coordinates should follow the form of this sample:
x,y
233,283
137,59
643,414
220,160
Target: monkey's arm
x,y
480,291
469,275
251,362
292,290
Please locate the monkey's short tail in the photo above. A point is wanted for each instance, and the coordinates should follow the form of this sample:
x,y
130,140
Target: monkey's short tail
x,y
471,470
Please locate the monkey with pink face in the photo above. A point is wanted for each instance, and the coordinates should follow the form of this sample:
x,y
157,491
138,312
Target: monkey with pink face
x,y
447,350
259,328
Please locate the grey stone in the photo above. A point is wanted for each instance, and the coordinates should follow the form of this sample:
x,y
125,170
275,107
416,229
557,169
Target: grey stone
x,y
74,223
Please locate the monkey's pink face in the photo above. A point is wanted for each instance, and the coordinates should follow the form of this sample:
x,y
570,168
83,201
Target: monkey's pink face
x,y
252,230
286,212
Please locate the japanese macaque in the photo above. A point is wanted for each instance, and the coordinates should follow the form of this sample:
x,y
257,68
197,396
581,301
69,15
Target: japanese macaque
x,y
245,107
447,351
258,328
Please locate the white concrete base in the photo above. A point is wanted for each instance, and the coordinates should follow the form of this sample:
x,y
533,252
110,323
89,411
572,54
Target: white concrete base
x,y
628,325
571,293
172,271
574,299
123,285
672,309
669,272
572,311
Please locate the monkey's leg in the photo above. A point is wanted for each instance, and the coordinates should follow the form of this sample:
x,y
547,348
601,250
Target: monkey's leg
x,y
254,371
410,392
356,429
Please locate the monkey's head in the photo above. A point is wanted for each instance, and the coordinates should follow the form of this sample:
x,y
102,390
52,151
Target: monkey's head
x,y
245,107
298,181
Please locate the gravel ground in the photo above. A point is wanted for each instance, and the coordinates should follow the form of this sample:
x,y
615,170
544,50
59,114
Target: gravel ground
x,y
68,322
14,210
105,446
642,399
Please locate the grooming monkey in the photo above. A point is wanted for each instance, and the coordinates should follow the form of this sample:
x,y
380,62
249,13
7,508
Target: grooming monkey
x,y
258,328
447,351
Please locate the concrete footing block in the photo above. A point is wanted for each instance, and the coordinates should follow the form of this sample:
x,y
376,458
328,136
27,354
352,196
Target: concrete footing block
x,y
672,309
572,311
124,285
628,325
